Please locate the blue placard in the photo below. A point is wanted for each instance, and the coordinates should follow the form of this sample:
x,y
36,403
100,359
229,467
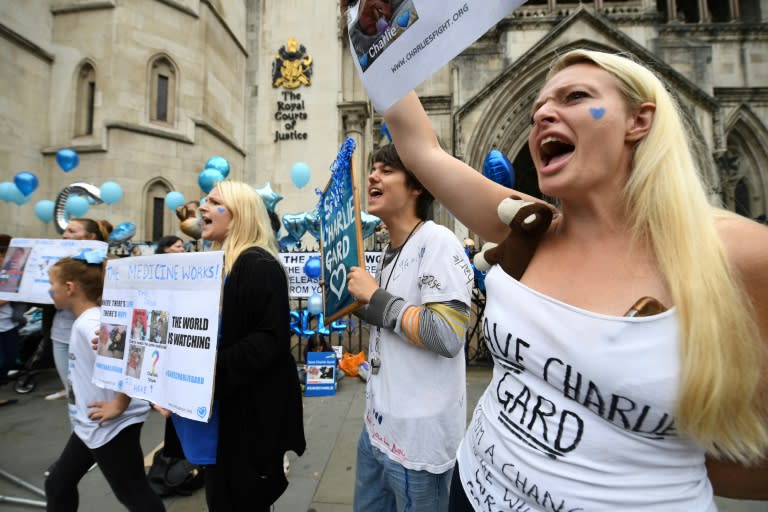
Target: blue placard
x,y
341,239
321,374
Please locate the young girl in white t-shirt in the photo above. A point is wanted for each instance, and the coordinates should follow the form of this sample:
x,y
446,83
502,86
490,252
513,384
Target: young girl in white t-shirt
x,y
106,424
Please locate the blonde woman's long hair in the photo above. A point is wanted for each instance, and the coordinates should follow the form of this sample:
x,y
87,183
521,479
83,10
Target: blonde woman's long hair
x,y
721,346
250,225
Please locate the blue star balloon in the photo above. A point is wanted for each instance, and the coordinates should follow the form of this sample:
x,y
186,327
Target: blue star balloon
x,y
269,196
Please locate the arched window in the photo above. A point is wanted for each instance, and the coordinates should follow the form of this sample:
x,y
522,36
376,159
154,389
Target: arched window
x,y
158,220
162,91
86,100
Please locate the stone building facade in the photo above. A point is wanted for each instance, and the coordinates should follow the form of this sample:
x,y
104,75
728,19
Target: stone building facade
x,y
147,90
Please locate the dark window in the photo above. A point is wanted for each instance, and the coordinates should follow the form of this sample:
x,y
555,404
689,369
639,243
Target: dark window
x,y
162,98
157,217
89,107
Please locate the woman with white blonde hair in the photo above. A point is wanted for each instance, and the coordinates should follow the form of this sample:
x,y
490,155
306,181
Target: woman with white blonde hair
x,y
590,409
257,413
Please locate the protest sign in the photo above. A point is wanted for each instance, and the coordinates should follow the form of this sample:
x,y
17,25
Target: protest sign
x,y
341,234
396,46
302,287
321,374
24,271
159,330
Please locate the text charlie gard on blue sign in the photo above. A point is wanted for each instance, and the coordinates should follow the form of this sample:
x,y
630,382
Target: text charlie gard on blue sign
x,y
340,234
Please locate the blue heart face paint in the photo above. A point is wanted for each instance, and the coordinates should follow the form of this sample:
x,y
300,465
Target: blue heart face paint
x,y
597,113
221,209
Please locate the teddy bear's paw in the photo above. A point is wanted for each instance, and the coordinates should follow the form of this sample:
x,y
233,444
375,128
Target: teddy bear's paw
x,y
509,207
479,260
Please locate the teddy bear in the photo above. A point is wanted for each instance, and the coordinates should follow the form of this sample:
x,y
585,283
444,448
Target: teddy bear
x,y
189,219
528,221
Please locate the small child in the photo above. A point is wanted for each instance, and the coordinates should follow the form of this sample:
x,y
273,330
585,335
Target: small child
x,y
107,424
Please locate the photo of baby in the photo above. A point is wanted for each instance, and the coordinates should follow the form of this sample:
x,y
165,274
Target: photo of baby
x,y
139,323
375,24
135,360
158,326
112,341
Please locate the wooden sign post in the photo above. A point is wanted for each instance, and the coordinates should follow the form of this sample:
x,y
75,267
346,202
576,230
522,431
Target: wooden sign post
x,y
341,234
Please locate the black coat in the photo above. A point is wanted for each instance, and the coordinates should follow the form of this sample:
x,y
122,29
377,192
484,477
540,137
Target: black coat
x,y
257,385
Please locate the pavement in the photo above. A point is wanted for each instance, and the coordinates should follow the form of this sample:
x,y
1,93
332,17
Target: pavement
x,y
33,431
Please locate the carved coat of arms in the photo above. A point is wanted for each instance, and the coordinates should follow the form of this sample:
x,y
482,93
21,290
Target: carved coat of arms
x,y
292,66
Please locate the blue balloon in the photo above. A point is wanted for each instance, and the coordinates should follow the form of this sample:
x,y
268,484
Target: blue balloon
x,y
122,232
312,267
219,163
111,192
173,200
321,328
208,179
315,304
295,224
67,159
44,210
7,190
498,168
369,223
294,322
76,206
26,182
338,326
287,243
305,329
269,196
313,225
16,196
300,174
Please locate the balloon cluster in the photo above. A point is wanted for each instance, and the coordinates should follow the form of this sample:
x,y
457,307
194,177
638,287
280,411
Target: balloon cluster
x,y
301,324
215,170
73,200
297,224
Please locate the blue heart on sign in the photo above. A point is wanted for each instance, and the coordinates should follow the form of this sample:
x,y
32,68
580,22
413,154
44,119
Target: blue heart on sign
x,y
597,113
201,411
364,60
402,20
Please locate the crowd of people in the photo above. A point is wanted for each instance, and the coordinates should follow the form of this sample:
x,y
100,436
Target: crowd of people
x,y
588,407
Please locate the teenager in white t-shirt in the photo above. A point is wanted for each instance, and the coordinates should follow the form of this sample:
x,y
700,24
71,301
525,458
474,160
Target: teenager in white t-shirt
x,y
106,424
418,308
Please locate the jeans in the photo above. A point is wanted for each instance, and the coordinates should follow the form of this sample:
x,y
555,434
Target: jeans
x,y
384,485
61,360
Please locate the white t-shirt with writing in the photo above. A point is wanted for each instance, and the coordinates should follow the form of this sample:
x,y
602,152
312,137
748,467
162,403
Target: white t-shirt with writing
x,y
82,391
416,404
579,414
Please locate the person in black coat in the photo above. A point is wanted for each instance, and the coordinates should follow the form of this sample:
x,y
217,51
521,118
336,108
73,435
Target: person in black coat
x,y
257,386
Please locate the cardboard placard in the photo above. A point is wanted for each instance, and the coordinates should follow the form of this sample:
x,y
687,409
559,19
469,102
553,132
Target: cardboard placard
x,y
159,330
397,47
341,234
24,271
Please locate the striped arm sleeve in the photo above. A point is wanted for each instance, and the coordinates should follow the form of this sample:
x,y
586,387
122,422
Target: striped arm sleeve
x,y
439,327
